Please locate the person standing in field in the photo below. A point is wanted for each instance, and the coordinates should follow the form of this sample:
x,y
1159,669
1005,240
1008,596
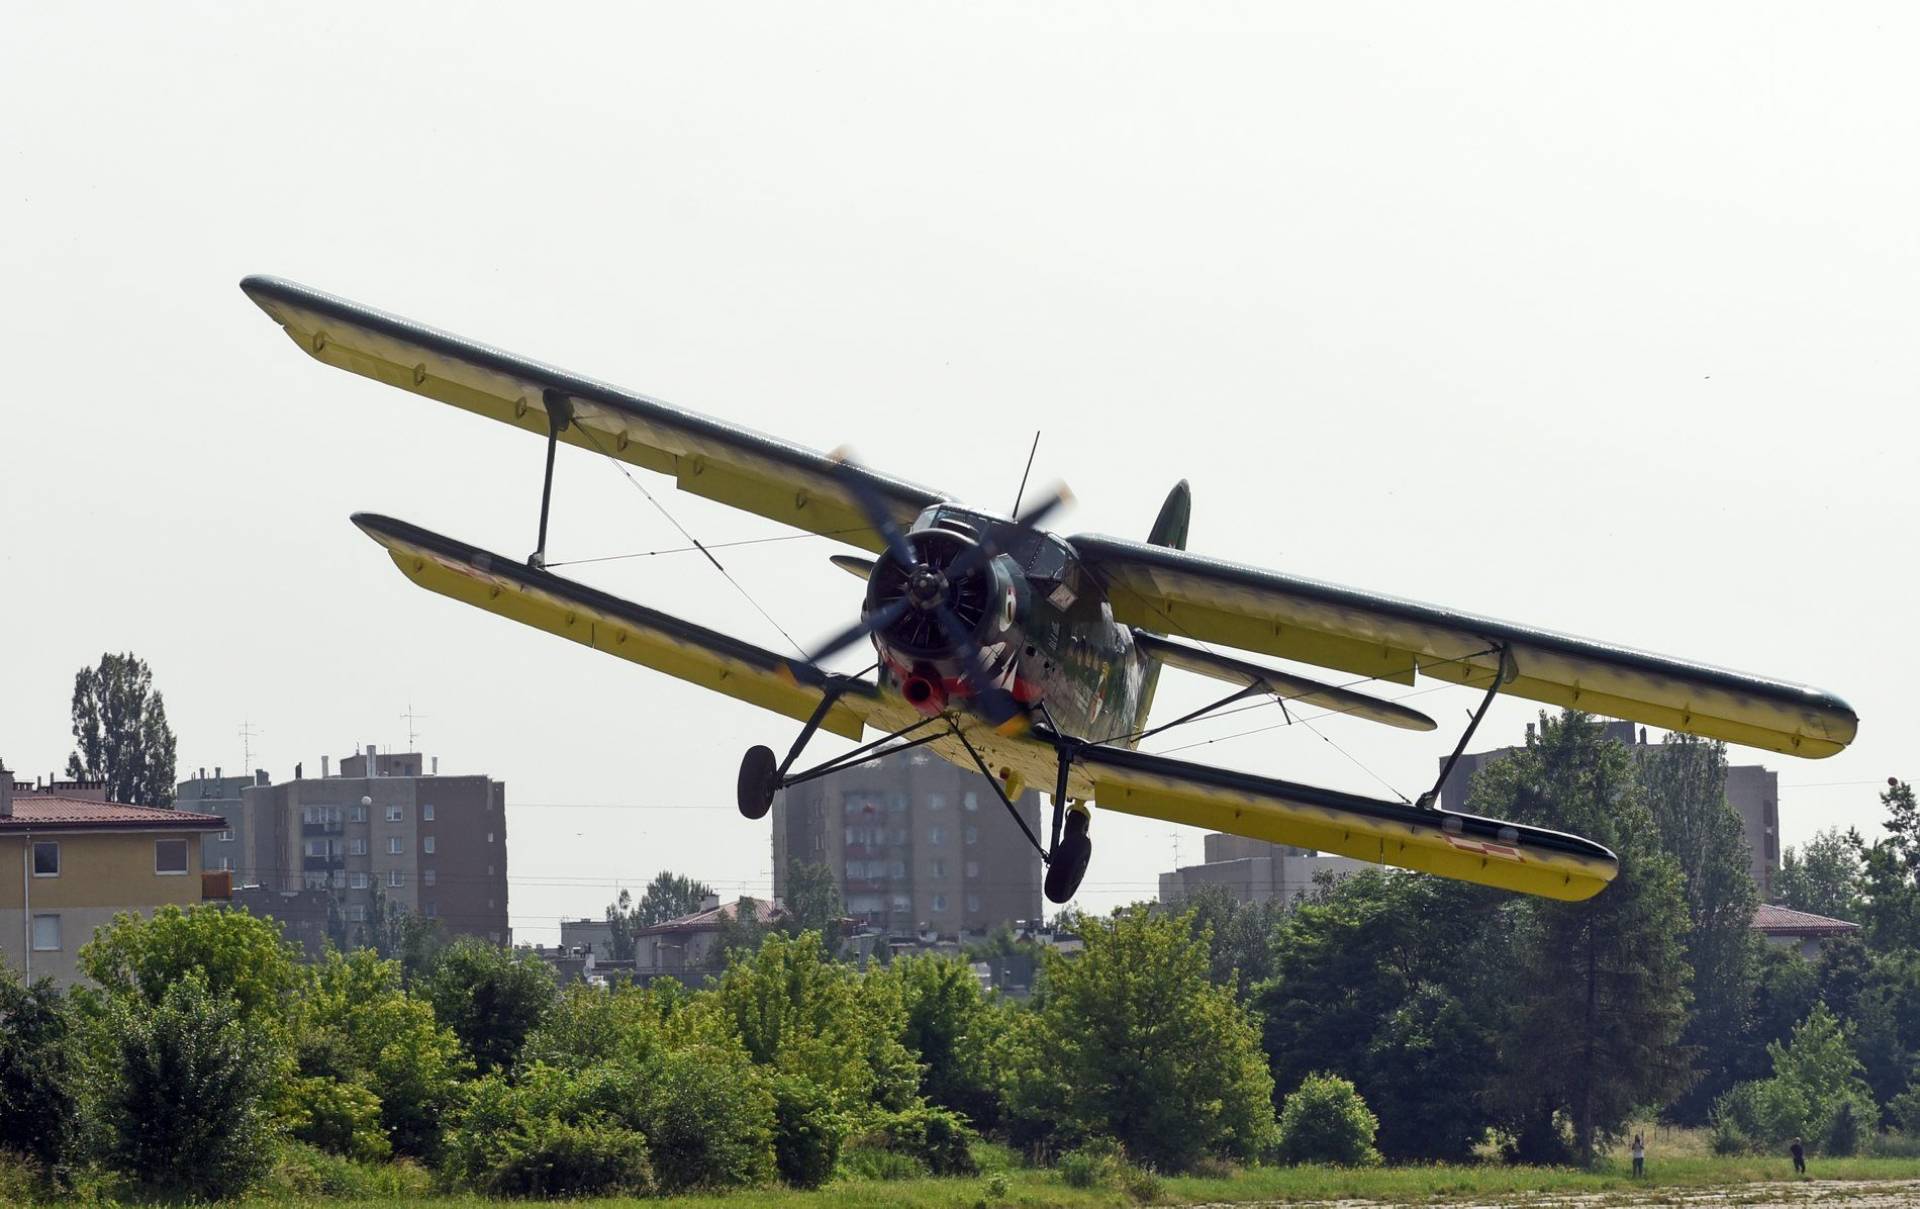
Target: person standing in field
x,y
1639,1156
1799,1154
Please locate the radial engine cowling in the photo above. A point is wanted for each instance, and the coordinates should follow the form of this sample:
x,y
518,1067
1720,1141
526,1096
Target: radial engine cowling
x,y
920,648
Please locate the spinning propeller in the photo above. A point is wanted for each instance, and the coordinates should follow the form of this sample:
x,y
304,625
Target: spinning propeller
x,y
929,578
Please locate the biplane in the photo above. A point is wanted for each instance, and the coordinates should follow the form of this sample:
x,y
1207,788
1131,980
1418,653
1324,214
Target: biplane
x,y
1031,657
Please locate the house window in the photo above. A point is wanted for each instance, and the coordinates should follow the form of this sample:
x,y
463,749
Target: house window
x,y
426,876
395,814
426,845
396,878
46,858
46,933
939,902
359,814
226,864
393,846
357,880
170,856
226,837
426,812
357,846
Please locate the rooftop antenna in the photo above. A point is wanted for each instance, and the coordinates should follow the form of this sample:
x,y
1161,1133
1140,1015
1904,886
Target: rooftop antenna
x,y
413,735
247,736
1022,493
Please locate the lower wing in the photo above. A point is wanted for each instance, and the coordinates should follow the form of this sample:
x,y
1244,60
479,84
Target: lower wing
x,y
619,627
1531,860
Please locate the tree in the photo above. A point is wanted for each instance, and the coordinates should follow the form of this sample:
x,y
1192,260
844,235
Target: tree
x,y
950,1028
670,896
1823,876
235,955
1815,1078
491,998
400,935
1134,1043
1683,782
188,1108
812,904
1599,999
39,1111
1326,1121
1240,935
1890,874
120,729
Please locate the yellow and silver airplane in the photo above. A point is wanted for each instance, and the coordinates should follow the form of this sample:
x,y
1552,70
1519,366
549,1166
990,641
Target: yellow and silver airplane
x,y
1032,657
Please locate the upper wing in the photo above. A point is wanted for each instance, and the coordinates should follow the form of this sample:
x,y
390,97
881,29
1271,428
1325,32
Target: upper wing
x,y
1168,590
560,606
1531,860
732,465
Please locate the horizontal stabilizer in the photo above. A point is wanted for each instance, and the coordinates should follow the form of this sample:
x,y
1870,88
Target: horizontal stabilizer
x,y
607,623
1284,685
1530,860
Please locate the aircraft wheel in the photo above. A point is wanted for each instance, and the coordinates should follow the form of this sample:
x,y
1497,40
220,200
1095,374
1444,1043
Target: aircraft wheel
x,y
759,781
1070,859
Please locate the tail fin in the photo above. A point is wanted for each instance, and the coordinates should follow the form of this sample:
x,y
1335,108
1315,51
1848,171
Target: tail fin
x,y
1170,527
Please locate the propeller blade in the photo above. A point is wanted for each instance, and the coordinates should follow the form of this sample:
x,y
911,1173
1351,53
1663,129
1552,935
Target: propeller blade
x,y
867,625
1057,498
872,508
991,701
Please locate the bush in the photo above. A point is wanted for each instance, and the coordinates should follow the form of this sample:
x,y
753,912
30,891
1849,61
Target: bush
x,y
188,1109
39,1113
864,1162
558,1159
708,1116
937,1138
807,1132
491,999
301,1171
1094,1165
339,1117
1326,1121
1905,1109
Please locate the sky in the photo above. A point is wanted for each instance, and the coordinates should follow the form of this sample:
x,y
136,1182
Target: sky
x,y
1600,319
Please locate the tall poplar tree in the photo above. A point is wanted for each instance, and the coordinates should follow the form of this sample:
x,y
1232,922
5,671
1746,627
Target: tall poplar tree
x,y
120,731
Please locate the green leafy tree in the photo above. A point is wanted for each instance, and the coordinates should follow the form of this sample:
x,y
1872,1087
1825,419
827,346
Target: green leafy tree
x,y
1365,986
491,998
950,1027
1890,874
669,896
1594,1021
1239,936
1326,1121
812,904
1134,1043
1786,987
236,956
39,1074
120,731
395,933
1815,1077
741,933
623,1024
1684,784
188,1107
1823,875
357,1025
1886,1023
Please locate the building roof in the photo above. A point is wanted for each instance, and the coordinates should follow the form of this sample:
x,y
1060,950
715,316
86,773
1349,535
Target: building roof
x,y
1785,921
709,920
41,812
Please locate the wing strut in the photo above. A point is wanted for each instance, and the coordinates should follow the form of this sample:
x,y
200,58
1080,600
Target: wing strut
x,y
1501,675
559,410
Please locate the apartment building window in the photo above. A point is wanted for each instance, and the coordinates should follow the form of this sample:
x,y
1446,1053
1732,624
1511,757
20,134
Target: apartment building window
x,y
426,877
431,910
936,836
170,857
973,904
226,837
939,868
426,844
46,933
973,868
357,914
395,878
939,902
395,814
393,846
936,801
226,864
357,846
46,858
359,814
973,835
358,880
426,813
339,879
489,837
970,801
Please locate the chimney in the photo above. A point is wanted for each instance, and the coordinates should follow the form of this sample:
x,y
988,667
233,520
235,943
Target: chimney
x,y
260,776
296,771
1529,732
6,791
1643,736
323,766
373,766
710,903
216,772
436,766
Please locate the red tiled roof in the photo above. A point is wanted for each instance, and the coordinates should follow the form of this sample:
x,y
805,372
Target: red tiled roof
x,y
709,921
39,811
1785,921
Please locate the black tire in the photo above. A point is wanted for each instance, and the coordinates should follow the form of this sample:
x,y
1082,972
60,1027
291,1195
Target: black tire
x,y
759,781
1069,862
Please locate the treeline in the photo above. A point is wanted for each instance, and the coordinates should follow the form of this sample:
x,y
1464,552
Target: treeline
x,y
1390,1015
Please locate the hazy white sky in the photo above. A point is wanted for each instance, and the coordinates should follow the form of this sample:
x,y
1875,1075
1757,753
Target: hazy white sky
x,y
1599,320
